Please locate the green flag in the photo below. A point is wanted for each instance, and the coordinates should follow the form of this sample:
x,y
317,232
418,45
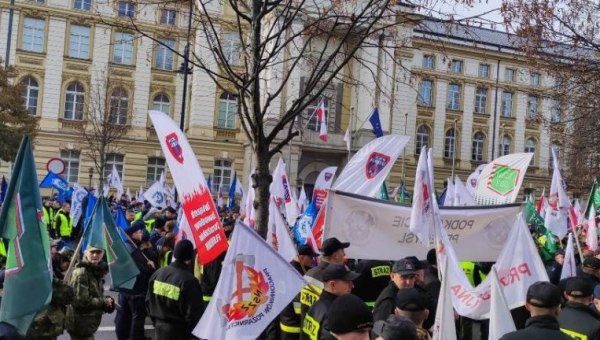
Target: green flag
x,y
384,192
532,217
547,240
102,233
593,199
28,281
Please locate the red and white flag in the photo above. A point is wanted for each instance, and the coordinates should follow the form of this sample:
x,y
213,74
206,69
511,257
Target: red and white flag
x,y
558,204
542,204
317,230
501,321
278,236
302,201
256,284
591,236
322,117
198,205
421,216
280,188
569,268
322,185
348,139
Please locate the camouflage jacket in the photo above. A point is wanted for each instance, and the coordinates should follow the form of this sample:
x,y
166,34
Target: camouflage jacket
x,y
50,322
85,314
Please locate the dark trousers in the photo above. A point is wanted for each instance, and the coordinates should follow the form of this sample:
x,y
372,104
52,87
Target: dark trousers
x,y
130,319
171,331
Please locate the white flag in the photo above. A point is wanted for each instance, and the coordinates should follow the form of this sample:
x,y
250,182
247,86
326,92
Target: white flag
x,y
444,327
462,196
591,238
421,217
128,193
501,321
279,236
115,181
302,201
472,179
322,117
155,195
105,190
220,195
79,193
256,283
370,166
559,204
280,188
140,193
500,181
250,212
450,193
569,268
348,139
322,185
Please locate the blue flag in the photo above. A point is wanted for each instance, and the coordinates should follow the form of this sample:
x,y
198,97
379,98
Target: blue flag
x,y
376,123
89,210
209,184
122,224
304,223
53,180
3,189
231,200
442,198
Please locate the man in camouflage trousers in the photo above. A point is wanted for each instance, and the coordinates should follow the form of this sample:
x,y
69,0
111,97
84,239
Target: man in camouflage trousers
x,y
50,323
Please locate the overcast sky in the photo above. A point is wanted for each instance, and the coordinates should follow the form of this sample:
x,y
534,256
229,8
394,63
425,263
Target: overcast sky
x,y
461,11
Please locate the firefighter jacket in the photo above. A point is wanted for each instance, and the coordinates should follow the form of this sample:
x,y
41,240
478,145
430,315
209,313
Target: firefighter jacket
x,y
314,326
579,321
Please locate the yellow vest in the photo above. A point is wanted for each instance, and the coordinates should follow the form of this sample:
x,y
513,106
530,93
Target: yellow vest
x,y
2,249
165,259
46,216
138,215
149,224
469,269
66,225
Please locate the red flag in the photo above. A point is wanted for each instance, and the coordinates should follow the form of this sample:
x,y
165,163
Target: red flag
x,y
322,122
318,226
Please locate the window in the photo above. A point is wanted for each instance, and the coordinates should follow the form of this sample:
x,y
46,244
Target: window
x,y
450,144
530,147
227,111
509,75
116,160
457,66
168,17
484,70
39,1
507,101
83,5
71,159
231,47
156,166
126,9
79,42
550,157
30,95
422,138
33,35
477,152
534,79
311,111
481,100
428,61
453,97
119,106
164,54
74,102
221,172
532,106
504,146
555,111
426,93
161,103
123,48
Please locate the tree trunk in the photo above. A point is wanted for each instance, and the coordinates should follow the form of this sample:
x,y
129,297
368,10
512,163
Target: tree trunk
x,y
262,180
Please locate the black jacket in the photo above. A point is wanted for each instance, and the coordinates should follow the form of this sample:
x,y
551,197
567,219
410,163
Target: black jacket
x,y
141,283
314,277
543,327
374,277
183,308
289,318
579,319
315,321
385,303
210,276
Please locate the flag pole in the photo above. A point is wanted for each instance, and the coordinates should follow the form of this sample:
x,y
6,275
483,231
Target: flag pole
x,y
404,151
576,237
454,151
74,259
351,132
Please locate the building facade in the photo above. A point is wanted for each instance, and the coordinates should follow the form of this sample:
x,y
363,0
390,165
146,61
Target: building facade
x,y
466,93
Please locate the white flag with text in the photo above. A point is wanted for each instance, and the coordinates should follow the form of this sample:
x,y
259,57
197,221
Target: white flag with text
x,y
501,321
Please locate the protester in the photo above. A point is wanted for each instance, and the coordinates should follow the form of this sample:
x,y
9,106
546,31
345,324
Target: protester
x,y
413,304
173,296
543,302
63,223
374,277
576,318
556,268
395,327
403,276
349,318
165,253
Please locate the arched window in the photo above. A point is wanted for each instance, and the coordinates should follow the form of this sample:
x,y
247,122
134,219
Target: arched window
x,y
450,144
30,95
530,147
422,138
478,144
227,111
556,148
74,102
119,106
504,145
161,103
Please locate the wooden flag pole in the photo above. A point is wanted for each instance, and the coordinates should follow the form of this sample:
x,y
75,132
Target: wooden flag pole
x,y
73,260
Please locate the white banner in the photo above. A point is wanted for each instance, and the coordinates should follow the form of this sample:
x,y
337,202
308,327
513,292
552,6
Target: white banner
x,y
155,196
79,193
323,184
379,230
500,181
367,170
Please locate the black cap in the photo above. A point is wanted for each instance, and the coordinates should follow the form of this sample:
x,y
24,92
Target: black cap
x,y
543,294
331,245
410,300
559,252
592,263
432,257
159,223
396,327
184,251
579,287
416,262
307,251
135,226
171,210
404,267
348,313
338,271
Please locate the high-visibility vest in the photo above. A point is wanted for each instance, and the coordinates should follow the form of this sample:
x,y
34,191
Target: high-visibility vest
x,y
138,215
482,275
66,224
2,249
149,224
46,216
469,269
165,259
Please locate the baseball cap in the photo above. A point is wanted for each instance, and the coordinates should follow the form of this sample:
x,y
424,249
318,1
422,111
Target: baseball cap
x,y
331,245
307,251
416,262
559,252
395,327
579,287
338,271
154,210
348,313
54,243
404,267
592,263
543,294
135,226
93,249
410,300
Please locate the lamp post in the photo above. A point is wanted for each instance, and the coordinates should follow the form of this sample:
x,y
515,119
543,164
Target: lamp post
x,y
184,67
90,174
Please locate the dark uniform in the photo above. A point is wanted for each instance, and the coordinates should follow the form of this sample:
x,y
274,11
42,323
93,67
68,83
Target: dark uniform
x,y
310,293
210,276
173,302
576,319
386,302
316,318
374,277
289,318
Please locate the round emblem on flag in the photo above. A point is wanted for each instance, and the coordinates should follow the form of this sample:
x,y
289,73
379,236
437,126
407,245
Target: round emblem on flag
x,y
496,233
360,225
